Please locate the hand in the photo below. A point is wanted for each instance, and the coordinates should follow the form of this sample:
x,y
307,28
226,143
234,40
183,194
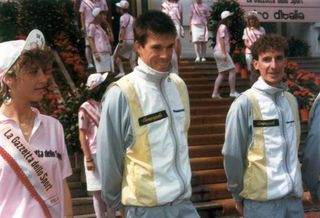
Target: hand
x,y
90,166
97,56
239,207
224,57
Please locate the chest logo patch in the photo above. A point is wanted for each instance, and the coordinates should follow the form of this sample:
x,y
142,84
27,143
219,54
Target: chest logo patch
x,y
152,118
265,123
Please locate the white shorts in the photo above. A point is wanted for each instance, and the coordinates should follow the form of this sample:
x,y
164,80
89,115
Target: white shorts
x,y
127,50
222,65
199,33
178,29
104,65
92,177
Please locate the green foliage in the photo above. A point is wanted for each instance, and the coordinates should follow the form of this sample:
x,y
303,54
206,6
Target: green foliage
x,y
50,16
8,20
238,23
297,48
68,116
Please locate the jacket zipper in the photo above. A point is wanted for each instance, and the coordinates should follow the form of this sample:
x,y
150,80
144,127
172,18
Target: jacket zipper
x,y
173,133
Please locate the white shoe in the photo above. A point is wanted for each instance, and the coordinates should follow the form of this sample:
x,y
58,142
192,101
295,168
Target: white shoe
x,y
234,94
90,66
197,60
216,96
119,75
203,59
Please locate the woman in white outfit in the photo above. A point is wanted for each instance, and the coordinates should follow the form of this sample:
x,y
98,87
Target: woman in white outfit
x,y
222,57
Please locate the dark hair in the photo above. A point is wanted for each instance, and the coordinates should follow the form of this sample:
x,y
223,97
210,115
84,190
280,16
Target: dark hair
x,y
97,92
153,21
225,22
268,42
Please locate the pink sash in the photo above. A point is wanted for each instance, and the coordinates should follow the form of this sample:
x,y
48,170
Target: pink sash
x,y
92,111
168,8
198,12
252,37
89,4
28,168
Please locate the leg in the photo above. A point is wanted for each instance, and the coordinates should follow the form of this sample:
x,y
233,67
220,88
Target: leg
x,y
99,205
203,51
217,84
174,62
132,61
197,51
232,81
178,48
119,64
88,56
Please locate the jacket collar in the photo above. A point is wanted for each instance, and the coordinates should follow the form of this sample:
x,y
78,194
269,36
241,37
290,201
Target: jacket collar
x,y
262,86
149,72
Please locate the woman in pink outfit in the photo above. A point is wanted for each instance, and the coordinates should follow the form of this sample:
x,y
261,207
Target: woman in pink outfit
x,y
99,41
199,14
222,57
89,117
174,9
251,33
34,162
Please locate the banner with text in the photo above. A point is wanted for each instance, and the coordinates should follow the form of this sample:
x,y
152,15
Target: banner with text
x,y
284,10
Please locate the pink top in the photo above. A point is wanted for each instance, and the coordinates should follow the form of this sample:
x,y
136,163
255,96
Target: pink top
x,y
47,140
222,32
252,34
126,21
85,122
84,8
199,13
100,38
173,9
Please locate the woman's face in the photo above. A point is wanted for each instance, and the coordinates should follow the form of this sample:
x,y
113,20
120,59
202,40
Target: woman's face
x,y
30,85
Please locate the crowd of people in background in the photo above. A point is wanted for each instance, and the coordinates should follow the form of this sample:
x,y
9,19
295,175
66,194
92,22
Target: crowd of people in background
x,y
134,134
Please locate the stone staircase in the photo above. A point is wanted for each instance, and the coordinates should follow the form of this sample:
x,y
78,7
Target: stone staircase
x,y
206,137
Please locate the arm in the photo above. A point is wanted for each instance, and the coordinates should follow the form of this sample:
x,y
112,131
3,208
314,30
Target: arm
x,y
114,136
92,43
311,153
237,139
68,212
85,148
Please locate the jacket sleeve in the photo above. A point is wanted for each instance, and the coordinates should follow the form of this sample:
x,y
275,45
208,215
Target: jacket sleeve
x,y
311,153
238,136
114,136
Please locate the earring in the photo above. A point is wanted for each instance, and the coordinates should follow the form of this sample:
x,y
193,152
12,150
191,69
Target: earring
x,y
8,98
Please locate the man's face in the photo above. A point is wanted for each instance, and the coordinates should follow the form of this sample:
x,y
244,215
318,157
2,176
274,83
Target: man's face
x,y
271,66
157,51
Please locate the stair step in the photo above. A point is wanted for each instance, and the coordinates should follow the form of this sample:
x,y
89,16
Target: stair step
x,y
82,206
209,101
209,110
216,191
205,151
76,175
201,177
206,139
207,129
207,119
206,163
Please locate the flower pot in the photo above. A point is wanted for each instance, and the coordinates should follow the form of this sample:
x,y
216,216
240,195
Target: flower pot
x,y
244,73
304,114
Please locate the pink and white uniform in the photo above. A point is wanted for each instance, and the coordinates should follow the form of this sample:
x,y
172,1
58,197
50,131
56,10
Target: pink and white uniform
x,y
47,141
199,14
87,8
126,22
91,127
252,34
222,32
103,47
174,10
